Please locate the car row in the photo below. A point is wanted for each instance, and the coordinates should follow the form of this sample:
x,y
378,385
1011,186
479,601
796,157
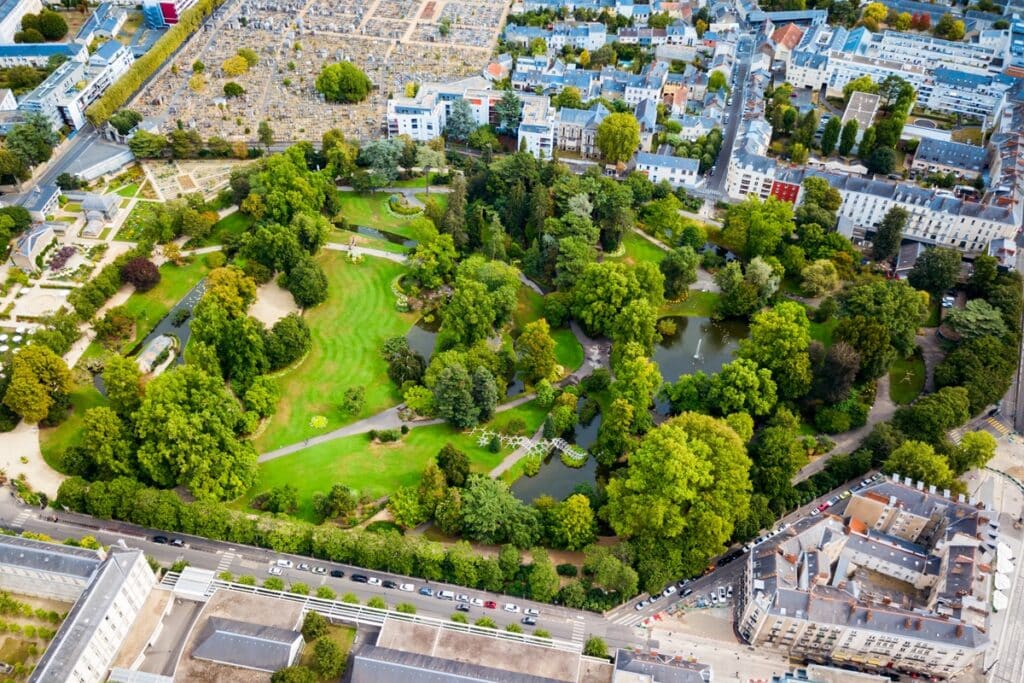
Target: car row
x,y
163,540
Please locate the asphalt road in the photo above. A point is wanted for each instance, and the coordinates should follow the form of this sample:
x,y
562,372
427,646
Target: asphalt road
x,y
716,183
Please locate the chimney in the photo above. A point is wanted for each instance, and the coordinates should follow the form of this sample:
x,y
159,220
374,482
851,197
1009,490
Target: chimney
x,y
959,630
868,615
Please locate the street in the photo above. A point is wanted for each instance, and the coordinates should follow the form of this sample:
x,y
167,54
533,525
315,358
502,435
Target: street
x,y
716,181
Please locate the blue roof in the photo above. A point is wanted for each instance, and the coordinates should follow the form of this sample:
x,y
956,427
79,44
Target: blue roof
x,y
960,78
108,50
854,39
667,161
39,49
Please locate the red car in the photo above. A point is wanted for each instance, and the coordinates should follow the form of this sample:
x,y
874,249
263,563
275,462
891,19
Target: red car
x,y
490,604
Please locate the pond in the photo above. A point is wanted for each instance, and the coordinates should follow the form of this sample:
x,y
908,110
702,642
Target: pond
x,y
382,235
698,344
558,480
422,337
166,326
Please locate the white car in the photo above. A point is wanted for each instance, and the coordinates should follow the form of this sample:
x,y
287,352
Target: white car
x,y
285,564
407,587
714,597
319,570
374,581
669,591
461,597
531,612
303,567
476,602
512,607
276,571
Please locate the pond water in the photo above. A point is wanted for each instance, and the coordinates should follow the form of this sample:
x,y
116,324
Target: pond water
x,y
422,337
382,235
698,344
554,478
166,326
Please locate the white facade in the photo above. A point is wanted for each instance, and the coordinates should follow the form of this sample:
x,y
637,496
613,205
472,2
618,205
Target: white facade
x,y
679,172
537,129
425,116
10,23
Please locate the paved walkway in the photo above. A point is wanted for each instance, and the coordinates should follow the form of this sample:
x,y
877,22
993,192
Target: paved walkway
x,y
367,251
705,280
847,442
932,353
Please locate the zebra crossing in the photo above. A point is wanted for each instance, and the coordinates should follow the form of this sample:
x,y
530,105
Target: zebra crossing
x,y
225,561
21,518
627,619
578,630
998,426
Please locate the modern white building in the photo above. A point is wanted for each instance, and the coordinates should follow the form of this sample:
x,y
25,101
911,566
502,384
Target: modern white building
x,y
11,12
425,116
46,570
677,171
67,92
537,128
39,54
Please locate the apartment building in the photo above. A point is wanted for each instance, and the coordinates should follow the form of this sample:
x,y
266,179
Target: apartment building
x,y
537,129
11,13
67,92
647,85
677,171
39,54
576,34
164,13
964,161
425,116
895,581
576,129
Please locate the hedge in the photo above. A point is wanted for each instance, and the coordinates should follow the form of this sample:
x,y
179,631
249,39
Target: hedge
x,y
119,93
91,296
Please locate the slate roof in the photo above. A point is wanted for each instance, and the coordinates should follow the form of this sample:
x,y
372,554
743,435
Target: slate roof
x,y
372,664
959,154
51,557
240,643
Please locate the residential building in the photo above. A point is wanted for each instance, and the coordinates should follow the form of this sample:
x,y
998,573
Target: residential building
x,y
897,580
966,162
425,116
11,12
785,39
577,34
67,92
104,22
164,13
677,171
247,645
576,129
750,174
640,667
537,127
101,619
647,85
861,108
41,201
39,54
45,570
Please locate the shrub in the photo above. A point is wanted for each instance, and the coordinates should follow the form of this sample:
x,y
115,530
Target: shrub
x,y
567,569
377,602
460,618
405,608
531,465
832,420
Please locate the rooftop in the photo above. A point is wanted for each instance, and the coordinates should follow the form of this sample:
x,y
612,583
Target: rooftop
x,y
248,645
80,563
959,154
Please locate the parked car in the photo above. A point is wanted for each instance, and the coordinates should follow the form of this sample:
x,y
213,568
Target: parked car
x,y
511,607
373,581
721,594
687,592
407,587
390,584
285,564
728,593
462,607
337,573
640,605
462,597
669,591
490,604
530,621
714,598
477,602
177,543
531,612
319,570
445,595
276,571
303,567
160,539
360,578
429,592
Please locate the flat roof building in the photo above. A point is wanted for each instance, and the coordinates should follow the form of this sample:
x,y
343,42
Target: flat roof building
x,y
861,108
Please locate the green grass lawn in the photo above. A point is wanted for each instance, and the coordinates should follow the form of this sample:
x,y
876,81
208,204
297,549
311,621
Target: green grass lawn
x,y
346,236
639,249
129,190
366,208
379,469
53,441
419,181
568,350
529,308
906,379
148,308
142,213
348,330
343,636
439,197
697,304
232,224
822,332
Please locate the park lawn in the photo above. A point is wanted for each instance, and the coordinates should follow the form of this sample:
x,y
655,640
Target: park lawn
x,y
142,213
568,350
418,181
822,332
149,308
129,190
379,469
698,304
638,249
233,224
530,307
371,208
53,441
348,330
906,379
440,197
970,135
346,236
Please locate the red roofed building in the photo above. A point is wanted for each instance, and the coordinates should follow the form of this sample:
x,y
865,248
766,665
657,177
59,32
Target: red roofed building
x,y
787,192
786,39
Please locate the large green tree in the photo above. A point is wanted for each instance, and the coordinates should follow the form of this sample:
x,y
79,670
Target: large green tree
x,y
779,339
536,351
920,462
39,378
889,234
618,136
936,270
756,228
188,432
343,82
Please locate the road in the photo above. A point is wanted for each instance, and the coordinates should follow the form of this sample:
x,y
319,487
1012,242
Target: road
x,y
1013,403
562,623
744,52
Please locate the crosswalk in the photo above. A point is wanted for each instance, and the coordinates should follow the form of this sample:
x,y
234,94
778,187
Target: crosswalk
x,y
21,518
998,426
627,619
578,630
225,561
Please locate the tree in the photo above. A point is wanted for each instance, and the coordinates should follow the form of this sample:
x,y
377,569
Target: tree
x,y
778,456
509,110
187,428
32,140
405,508
983,366
835,374
930,417
250,56
920,462
337,502
328,658
108,443
867,143
232,289
294,674
936,270
141,273
52,25
804,133
125,120
848,138
820,278
618,136
454,464
536,351
343,82
460,121
950,28
779,339
974,450
307,282
637,380
39,377
755,228
146,145
234,65
741,386
861,84
882,160
574,524
890,233
453,397
279,499
232,89
542,579
717,81
680,270
876,12
264,132
893,305
484,392
977,319
122,380
983,275
487,509
314,625
830,136
382,159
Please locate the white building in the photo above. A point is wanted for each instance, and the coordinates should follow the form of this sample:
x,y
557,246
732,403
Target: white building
x,y
11,12
101,619
678,171
425,116
67,92
537,128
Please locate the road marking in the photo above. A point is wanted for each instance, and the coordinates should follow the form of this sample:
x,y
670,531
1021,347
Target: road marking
x,y
225,561
998,426
578,629
22,516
